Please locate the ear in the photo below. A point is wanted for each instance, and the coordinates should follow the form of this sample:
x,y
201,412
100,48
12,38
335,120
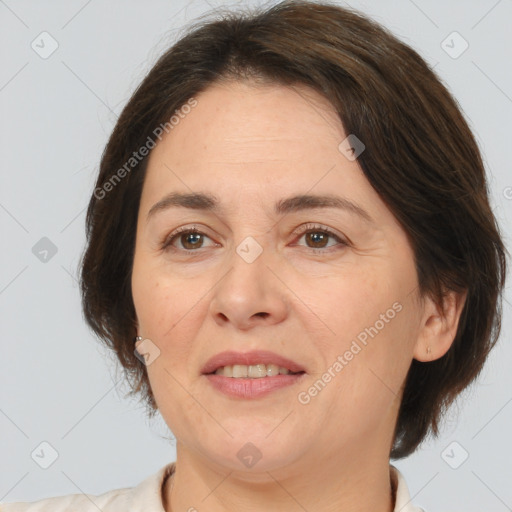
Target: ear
x,y
439,326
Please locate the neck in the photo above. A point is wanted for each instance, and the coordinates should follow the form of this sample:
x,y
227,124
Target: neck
x,y
334,485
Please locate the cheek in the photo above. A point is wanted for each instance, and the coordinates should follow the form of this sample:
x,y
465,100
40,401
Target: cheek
x,y
372,322
359,388
167,315
161,303
348,303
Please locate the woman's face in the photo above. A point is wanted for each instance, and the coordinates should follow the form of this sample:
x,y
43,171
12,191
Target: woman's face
x,y
331,287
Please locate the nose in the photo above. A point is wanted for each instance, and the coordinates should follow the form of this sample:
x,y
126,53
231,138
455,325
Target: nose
x,y
250,294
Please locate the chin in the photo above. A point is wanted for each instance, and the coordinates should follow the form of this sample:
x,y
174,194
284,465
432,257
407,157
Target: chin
x,y
252,464
253,454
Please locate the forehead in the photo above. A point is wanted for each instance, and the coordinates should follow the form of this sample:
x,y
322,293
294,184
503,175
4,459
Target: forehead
x,y
254,132
241,122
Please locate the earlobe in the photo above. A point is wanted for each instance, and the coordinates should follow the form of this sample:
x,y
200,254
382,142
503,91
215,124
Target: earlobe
x,y
439,326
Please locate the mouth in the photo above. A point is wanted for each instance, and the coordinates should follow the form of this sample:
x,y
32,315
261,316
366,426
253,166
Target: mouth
x,y
251,365
251,375
253,371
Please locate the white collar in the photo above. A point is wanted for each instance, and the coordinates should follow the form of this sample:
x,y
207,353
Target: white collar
x,y
402,497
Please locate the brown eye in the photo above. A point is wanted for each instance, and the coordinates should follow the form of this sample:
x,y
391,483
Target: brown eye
x,y
191,240
185,239
318,238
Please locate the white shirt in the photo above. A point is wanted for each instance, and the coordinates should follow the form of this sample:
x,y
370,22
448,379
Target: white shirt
x,y
147,497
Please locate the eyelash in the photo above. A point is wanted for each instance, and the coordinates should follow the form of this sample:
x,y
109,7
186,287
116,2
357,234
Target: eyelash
x,y
167,242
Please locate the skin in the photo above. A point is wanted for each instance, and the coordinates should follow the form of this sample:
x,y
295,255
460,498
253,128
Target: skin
x,y
252,145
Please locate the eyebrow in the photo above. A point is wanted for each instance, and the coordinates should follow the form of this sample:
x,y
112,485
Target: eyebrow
x,y
210,203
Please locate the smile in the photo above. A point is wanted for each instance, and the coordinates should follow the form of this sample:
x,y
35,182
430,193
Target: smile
x,y
253,371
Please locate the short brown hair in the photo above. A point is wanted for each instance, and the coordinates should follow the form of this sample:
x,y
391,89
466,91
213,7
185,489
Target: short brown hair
x,y
420,157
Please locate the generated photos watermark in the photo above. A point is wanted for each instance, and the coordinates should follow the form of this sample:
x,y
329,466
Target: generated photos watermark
x,y
357,345
143,151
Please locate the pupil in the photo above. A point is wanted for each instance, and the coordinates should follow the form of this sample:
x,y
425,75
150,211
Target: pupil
x,y
317,237
191,239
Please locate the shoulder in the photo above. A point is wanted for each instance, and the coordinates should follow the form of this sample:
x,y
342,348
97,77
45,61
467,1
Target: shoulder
x,y
403,501
145,496
109,501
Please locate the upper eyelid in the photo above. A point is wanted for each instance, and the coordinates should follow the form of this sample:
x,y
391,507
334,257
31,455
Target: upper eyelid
x,y
302,229
316,227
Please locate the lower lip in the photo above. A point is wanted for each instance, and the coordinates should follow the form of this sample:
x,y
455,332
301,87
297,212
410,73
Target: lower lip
x,y
251,388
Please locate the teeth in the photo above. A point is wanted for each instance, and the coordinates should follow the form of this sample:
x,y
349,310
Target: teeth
x,y
273,369
239,370
253,371
256,371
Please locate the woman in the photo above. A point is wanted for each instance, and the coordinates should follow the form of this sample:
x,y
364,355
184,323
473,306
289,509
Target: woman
x,y
292,253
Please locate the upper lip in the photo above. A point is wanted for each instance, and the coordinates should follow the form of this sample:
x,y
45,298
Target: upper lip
x,y
230,358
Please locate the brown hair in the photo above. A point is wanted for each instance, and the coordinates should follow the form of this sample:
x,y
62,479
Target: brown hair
x,y
420,157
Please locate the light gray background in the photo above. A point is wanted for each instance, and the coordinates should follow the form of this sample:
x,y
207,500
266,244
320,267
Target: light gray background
x,y
57,384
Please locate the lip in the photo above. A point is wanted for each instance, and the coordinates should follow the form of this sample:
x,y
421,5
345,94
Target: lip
x,y
230,358
252,388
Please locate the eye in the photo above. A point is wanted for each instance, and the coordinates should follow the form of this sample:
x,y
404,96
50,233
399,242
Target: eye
x,y
318,236
191,239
